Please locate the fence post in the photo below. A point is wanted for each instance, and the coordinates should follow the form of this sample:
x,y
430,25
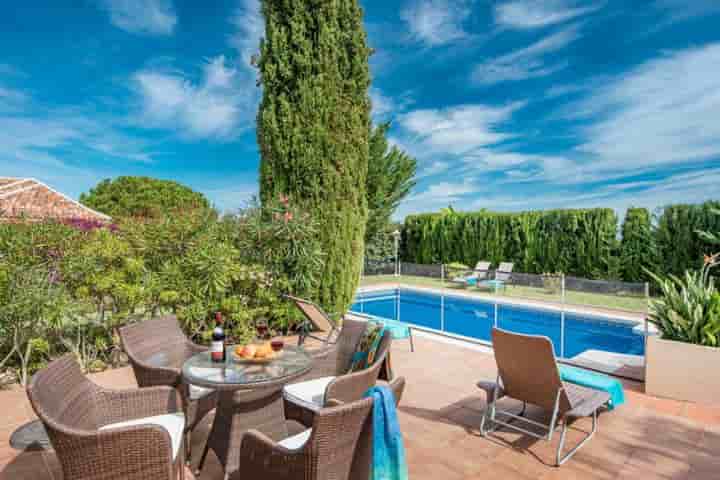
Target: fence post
x,y
442,275
562,315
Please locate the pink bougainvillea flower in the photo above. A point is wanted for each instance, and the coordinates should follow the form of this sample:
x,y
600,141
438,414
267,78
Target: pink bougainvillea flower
x,y
288,216
284,199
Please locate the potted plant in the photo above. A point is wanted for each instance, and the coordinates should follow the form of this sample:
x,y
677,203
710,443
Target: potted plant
x,y
680,360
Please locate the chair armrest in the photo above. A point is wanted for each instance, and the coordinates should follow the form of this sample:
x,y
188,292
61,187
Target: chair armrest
x,y
351,386
122,405
132,453
261,457
194,348
489,389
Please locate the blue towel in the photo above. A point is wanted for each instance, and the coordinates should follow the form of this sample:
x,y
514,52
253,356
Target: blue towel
x,y
388,452
399,330
471,280
596,381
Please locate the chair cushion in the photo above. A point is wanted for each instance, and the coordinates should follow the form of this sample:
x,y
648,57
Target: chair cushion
x,y
197,392
309,394
367,346
296,441
173,423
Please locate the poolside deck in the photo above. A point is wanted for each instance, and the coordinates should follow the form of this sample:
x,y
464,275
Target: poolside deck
x,y
648,438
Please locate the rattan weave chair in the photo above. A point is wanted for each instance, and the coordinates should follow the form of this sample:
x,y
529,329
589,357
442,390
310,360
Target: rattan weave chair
x,y
157,349
338,446
105,434
329,378
527,371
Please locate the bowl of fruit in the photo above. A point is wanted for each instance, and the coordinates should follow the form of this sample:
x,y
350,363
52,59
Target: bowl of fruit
x,y
253,353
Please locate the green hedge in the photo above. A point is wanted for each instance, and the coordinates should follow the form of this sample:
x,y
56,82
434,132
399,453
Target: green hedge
x,y
679,247
578,242
637,250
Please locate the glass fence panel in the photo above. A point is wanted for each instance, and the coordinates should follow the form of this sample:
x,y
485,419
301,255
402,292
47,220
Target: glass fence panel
x,y
468,317
585,319
529,286
420,308
532,321
605,294
587,335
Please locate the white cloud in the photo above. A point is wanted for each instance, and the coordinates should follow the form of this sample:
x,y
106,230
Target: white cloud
x,y
218,106
662,112
437,195
437,22
435,168
385,107
250,28
154,17
381,105
457,130
527,62
524,14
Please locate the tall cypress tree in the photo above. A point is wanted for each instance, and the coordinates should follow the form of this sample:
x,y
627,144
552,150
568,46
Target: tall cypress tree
x,y
314,124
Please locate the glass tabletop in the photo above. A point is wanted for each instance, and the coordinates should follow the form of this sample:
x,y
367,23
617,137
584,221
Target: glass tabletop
x,y
291,362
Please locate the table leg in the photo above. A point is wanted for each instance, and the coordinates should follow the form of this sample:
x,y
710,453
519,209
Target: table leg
x,y
238,412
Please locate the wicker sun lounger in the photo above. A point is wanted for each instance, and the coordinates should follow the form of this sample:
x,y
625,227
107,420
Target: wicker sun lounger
x,y
527,371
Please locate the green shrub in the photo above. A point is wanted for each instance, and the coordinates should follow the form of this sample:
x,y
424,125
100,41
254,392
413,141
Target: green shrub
x,y
143,197
689,310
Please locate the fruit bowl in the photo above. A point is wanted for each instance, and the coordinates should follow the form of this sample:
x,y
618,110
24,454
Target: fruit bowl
x,y
254,354
254,360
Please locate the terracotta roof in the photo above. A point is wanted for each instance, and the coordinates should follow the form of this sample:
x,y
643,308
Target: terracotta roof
x,y
32,199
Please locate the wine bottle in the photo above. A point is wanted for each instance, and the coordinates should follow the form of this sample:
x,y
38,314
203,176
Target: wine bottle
x,y
217,347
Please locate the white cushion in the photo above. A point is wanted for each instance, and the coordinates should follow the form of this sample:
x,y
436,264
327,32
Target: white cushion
x,y
310,394
197,392
296,441
174,423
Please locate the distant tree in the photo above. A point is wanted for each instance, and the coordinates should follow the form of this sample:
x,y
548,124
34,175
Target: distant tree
x,y
313,128
391,176
637,247
143,197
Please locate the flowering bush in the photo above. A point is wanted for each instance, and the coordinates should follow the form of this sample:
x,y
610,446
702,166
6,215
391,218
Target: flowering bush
x,y
89,278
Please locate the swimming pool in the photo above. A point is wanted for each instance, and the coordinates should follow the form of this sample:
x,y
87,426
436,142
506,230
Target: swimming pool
x,y
571,333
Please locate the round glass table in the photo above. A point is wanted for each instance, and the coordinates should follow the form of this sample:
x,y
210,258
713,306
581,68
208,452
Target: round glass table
x,y
249,397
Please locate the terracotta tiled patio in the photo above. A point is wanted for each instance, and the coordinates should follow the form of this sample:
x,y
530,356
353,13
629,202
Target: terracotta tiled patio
x,y
645,439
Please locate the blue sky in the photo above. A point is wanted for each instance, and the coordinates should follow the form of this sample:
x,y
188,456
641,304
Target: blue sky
x,y
507,105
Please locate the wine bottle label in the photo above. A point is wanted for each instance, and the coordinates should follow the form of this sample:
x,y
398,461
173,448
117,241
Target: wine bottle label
x,y
217,349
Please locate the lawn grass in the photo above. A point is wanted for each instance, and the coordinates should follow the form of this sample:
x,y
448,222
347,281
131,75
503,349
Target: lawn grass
x,y
630,303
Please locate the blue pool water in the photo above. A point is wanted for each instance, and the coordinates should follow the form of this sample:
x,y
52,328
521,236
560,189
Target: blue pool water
x,y
475,318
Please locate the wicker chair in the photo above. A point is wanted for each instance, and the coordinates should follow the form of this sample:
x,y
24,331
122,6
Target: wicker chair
x,y
109,434
329,378
338,446
157,349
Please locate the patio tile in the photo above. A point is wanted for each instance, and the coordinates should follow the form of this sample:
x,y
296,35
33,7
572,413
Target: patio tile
x,y
440,416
